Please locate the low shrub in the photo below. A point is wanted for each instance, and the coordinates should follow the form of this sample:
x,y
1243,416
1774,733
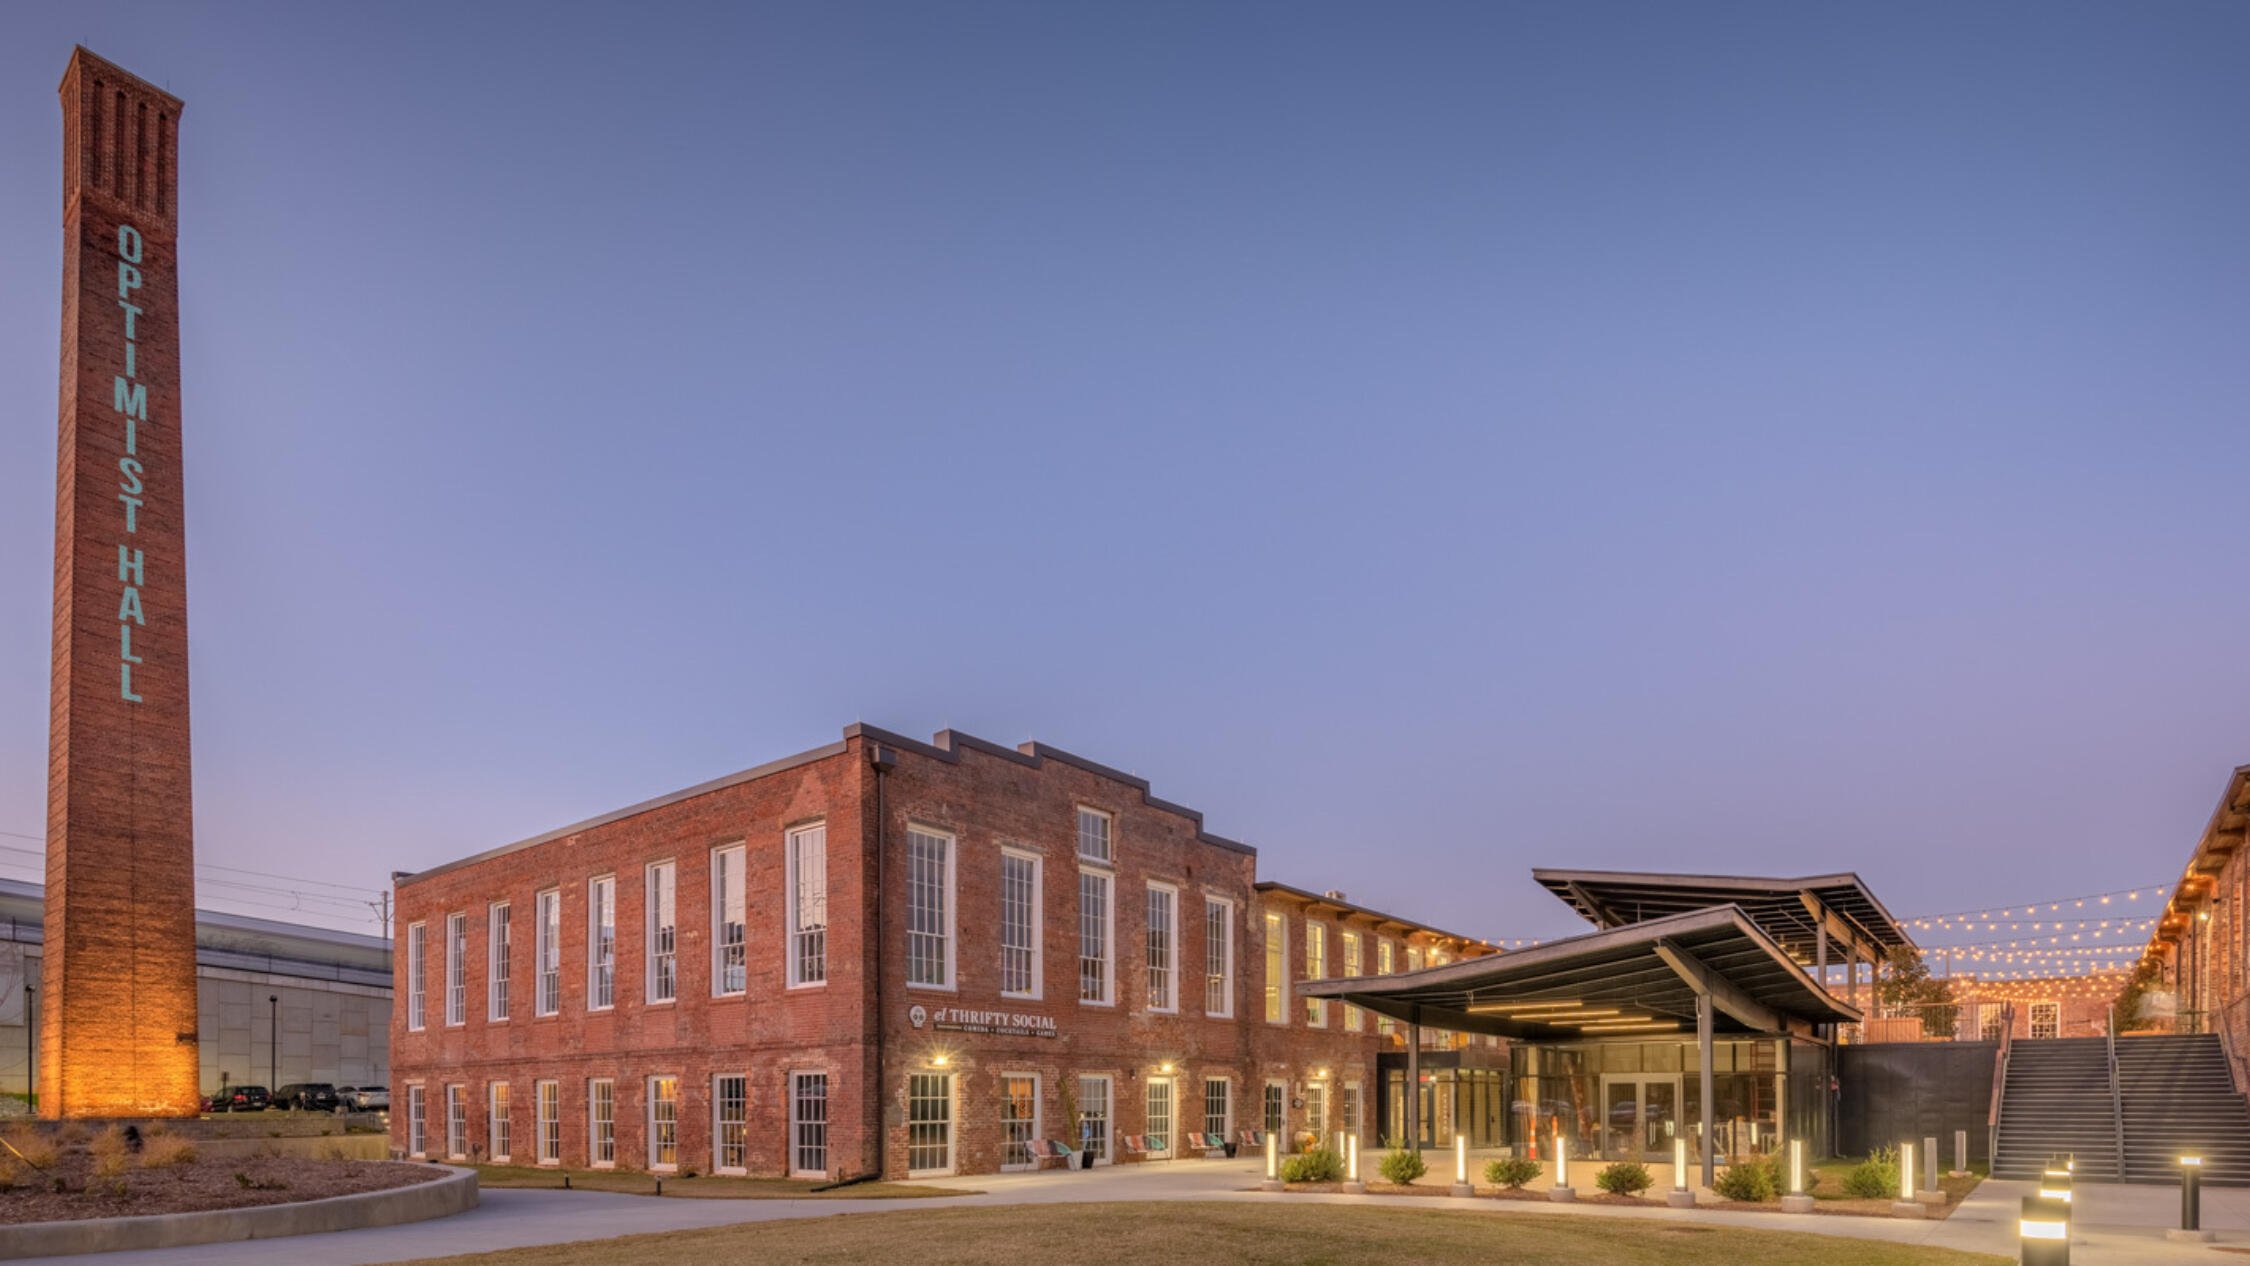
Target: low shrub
x,y
1625,1178
1749,1182
31,1146
164,1148
1317,1165
110,1152
1874,1178
1512,1172
1403,1166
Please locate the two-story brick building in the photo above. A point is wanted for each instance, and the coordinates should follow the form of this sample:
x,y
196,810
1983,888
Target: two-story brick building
x,y
880,956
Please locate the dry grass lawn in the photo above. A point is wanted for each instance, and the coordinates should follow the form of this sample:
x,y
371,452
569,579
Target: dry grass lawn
x,y
1238,1234
702,1186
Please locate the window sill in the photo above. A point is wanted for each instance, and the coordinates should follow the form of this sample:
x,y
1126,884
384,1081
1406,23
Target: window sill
x,y
805,984
1096,1002
934,989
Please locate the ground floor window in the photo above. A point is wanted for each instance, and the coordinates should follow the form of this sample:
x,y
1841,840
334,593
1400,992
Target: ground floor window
x,y
730,1126
1093,1115
1347,1108
496,1121
1316,1112
808,1124
1159,1120
601,1122
1277,1107
456,1122
663,1122
929,1123
1019,1119
416,1144
549,1108
1218,1103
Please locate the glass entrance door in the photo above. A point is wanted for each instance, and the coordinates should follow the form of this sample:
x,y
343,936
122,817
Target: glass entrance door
x,y
1640,1117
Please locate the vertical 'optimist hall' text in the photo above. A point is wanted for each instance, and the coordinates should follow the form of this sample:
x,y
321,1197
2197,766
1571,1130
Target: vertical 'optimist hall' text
x,y
130,398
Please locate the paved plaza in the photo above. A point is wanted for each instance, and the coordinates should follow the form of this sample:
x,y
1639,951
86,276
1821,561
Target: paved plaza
x,y
2118,1225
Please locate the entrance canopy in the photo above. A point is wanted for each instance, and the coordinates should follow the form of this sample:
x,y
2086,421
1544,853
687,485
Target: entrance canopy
x,y
1794,912
1642,980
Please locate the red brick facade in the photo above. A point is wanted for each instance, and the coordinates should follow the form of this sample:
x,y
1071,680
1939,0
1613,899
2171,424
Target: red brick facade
x,y
876,1036
118,1018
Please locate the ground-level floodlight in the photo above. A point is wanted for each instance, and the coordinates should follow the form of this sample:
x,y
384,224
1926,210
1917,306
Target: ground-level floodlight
x,y
1561,1190
2191,1203
1681,1196
1796,1200
1461,1185
2043,1236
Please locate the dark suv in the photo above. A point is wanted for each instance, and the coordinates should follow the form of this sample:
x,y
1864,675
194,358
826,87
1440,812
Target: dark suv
x,y
306,1096
244,1099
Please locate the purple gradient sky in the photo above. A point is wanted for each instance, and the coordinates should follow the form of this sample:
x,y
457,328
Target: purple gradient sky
x,y
1432,440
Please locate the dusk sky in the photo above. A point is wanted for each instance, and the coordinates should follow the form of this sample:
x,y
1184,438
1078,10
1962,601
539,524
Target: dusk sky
x,y
1434,441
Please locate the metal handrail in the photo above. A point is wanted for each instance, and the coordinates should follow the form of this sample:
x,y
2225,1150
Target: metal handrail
x,y
1999,1080
2116,1096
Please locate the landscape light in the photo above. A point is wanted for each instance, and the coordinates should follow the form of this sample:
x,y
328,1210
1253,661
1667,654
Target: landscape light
x,y
1906,1171
1562,1160
1351,1158
2191,1200
1461,1160
2043,1233
1273,1157
1796,1167
1679,1162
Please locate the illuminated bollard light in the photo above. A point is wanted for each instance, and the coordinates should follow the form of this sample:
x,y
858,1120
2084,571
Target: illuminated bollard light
x,y
1681,1196
1352,1185
2043,1235
1906,1206
1797,1199
1273,1163
1561,1190
2190,1229
1461,1185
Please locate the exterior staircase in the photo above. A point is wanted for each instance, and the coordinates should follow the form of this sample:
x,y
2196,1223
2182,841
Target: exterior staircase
x,y
2175,1093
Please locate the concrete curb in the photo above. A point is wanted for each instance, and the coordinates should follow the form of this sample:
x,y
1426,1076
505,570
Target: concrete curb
x,y
455,1192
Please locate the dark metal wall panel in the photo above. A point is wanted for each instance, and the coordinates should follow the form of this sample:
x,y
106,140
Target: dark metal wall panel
x,y
1890,1091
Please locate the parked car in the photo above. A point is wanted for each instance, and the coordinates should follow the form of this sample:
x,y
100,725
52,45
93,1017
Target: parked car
x,y
366,1098
215,1103
306,1096
246,1099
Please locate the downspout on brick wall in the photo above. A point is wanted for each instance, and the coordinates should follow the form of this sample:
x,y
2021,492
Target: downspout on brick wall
x,y
882,761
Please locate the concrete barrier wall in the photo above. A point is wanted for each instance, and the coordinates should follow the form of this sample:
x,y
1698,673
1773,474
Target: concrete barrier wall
x,y
453,1192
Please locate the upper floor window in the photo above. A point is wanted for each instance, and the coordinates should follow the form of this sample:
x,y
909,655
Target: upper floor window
x,y
1097,974
547,942
1316,968
1413,959
601,943
1384,965
730,966
663,932
457,969
496,962
416,934
1163,948
1353,1016
1277,970
808,904
1218,957
929,908
1093,835
1020,918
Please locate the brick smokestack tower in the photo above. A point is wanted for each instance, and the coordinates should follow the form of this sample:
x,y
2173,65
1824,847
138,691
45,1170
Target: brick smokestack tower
x,y
118,1008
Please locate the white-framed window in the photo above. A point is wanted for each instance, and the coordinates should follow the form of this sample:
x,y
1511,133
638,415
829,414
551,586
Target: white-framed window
x,y
1091,1130
417,1122
1347,1108
1157,1104
416,935
929,908
730,928
2046,1019
1385,965
1218,1107
663,977
547,1107
601,1122
1413,958
497,1140
547,943
496,962
929,1123
1163,947
456,970
456,1121
1094,843
1019,1119
1277,969
1277,1109
663,1123
730,1124
1022,921
601,943
1316,1109
1354,1018
1218,958
1316,968
807,883
808,1124
1097,968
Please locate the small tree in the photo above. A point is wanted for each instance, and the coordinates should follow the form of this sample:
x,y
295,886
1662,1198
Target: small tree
x,y
1909,984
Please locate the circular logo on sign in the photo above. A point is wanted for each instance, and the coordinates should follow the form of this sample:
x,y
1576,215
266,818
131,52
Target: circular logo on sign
x,y
916,1016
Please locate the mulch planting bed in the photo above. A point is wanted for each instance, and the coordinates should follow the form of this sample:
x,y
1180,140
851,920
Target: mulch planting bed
x,y
69,1189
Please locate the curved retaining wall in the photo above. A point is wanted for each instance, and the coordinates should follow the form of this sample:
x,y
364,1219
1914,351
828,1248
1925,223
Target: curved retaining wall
x,y
455,1192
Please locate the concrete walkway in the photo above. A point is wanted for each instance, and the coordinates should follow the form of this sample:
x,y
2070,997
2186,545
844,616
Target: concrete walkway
x,y
2118,1225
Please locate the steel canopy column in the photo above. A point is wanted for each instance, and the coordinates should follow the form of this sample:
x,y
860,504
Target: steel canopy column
x,y
1703,1050
1414,1080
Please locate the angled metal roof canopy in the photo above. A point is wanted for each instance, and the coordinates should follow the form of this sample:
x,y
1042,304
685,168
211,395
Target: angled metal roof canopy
x,y
1640,980
1790,911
